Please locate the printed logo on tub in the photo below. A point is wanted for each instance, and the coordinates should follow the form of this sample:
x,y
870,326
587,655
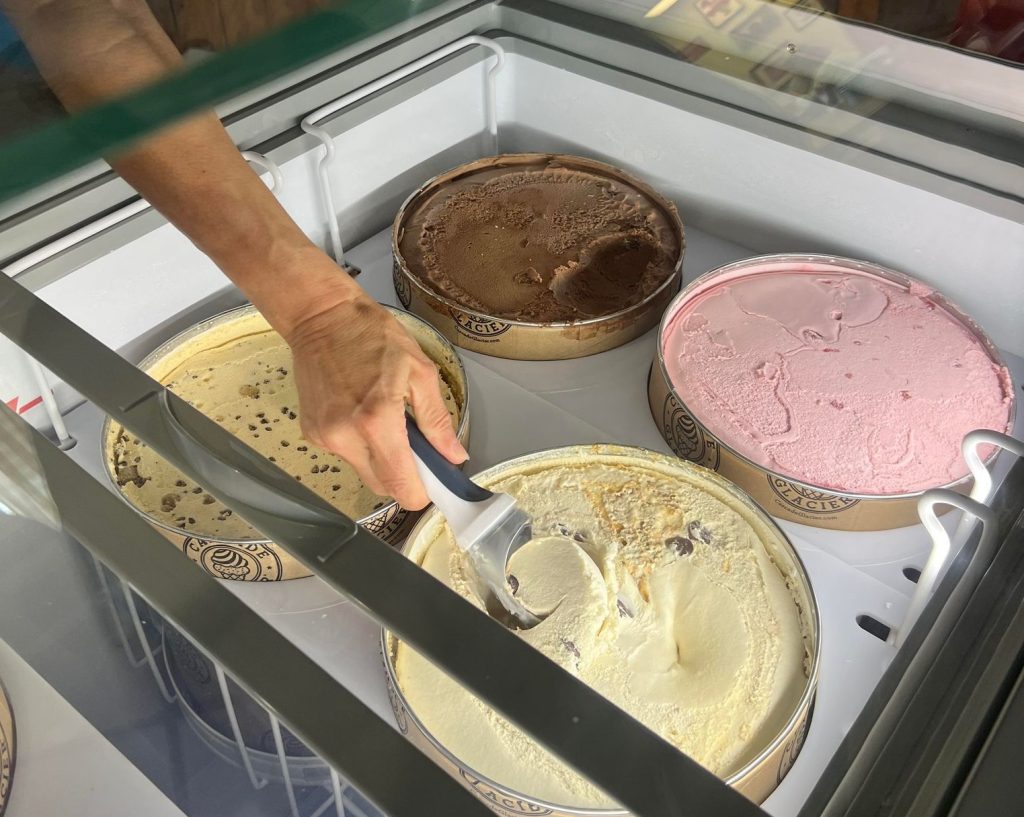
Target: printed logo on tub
x,y
687,438
385,525
397,707
506,804
6,755
248,563
809,500
402,288
477,327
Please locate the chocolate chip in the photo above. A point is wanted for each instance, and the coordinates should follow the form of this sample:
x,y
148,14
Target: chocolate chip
x,y
252,427
698,531
323,468
168,502
314,470
302,448
338,488
623,609
208,500
680,544
335,469
580,536
191,520
285,443
513,582
272,459
284,409
292,415
181,483
571,647
562,530
261,414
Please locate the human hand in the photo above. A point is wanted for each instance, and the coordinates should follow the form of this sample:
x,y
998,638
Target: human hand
x,y
355,368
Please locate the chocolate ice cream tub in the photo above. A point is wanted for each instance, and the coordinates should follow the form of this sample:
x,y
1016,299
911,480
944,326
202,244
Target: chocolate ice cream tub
x,y
253,559
581,257
933,328
776,742
7,748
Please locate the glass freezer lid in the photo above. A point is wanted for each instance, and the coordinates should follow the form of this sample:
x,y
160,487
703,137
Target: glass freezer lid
x,y
784,58
908,181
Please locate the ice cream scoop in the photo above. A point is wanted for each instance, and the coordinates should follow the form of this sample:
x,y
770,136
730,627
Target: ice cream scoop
x,y
487,527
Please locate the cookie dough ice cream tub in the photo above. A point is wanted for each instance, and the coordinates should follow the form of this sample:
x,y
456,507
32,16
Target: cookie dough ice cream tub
x,y
665,588
237,370
537,256
834,391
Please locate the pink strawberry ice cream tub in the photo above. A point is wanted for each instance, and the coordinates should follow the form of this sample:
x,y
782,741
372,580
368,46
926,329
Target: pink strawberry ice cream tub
x,y
834,391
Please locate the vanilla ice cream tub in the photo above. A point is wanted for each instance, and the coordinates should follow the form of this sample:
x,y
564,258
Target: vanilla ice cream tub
x,y
834,391
661,585
537,256
235,369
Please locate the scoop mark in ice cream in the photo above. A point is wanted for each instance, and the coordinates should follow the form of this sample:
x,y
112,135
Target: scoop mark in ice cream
x,y
834,377
541,242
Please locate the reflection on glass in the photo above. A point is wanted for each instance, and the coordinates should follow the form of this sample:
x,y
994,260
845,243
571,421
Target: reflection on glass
x,y
23,488
119,67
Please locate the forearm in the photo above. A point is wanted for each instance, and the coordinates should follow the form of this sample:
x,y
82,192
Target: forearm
x,y
91,50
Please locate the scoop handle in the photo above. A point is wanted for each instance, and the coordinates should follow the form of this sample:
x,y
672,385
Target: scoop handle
x,y
439,471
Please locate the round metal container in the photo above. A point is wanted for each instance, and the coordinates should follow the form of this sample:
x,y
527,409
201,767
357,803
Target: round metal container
x,y
525,340
759,777
7,748
262,560
783,496
196,685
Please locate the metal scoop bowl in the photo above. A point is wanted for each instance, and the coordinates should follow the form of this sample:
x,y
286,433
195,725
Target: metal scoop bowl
x,y
487,527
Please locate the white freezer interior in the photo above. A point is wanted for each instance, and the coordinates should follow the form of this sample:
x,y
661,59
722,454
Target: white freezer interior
x,y
743,187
